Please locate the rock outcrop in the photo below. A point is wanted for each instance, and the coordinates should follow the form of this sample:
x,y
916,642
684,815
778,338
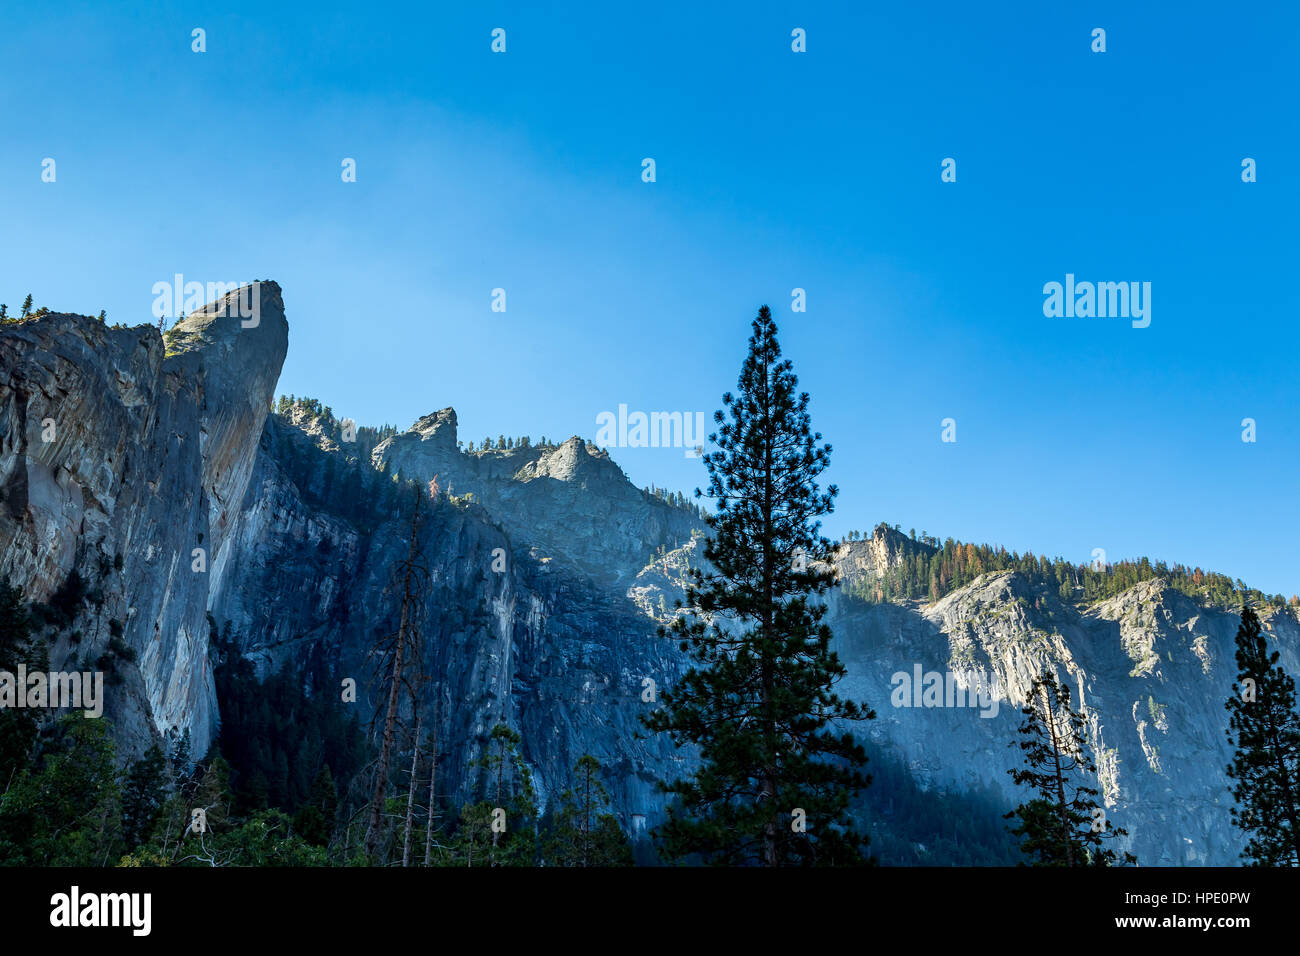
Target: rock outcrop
x,y
1150,668
114,442
571,501
148,467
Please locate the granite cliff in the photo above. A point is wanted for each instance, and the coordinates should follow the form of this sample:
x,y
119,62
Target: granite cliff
x,y
150,470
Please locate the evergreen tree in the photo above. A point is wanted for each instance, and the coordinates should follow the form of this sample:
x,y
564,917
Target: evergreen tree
x,y
500,829
582,831
1061,825
27,305
1265,731
17,725
314,821
142,796
776,779
67,810
213,793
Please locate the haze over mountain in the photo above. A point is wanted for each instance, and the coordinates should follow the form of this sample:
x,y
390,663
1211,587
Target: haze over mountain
x,y
550,573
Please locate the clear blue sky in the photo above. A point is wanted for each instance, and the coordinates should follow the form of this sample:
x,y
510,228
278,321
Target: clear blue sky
x,y
775,170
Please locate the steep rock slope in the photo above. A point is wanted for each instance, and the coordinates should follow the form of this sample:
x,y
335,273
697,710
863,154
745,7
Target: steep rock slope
x,y
506,637
113,443
546,586
571,501
1150,667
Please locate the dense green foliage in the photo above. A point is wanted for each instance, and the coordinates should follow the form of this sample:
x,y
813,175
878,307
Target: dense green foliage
x,y
581,831
1265,730
929,570
500,829
17,726
278,738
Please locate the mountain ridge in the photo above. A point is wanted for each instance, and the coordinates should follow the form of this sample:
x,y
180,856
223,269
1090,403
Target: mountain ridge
x,y
165,444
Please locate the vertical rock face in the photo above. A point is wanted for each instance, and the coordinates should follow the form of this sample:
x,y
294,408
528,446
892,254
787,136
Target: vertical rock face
x,y
117,443
571,501
549,573
507,635
1150,668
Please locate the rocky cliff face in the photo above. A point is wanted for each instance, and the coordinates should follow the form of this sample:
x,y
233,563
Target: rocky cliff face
x,y
508,635
1150,668
571,502
112,443
549,573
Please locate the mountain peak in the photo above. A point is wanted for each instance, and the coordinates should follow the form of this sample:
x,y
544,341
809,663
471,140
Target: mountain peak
x,y
886,548
438,427
244,328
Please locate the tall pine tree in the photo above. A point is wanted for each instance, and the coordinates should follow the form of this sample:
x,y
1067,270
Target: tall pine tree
x,y
1265,730
1061,825
778,767
582,831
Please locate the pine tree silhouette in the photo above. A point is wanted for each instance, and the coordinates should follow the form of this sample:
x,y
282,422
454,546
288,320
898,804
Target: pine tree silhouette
x,y
1265,730
1062,825
776,781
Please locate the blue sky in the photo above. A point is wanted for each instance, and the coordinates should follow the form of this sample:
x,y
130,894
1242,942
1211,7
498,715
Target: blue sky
x,y
775,170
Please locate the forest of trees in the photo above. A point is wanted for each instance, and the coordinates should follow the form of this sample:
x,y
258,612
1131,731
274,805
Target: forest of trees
x,y
931,570
911,825
674,499
284,785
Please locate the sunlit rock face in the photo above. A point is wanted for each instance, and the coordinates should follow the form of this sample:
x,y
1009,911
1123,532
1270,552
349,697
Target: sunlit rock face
x,y
118,443
549,574
1150,668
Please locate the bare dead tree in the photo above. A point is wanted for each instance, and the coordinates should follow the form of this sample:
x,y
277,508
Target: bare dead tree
x,y
410,796
400,649
433,788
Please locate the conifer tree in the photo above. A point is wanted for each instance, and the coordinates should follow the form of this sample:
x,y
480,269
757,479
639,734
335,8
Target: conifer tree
x,y
1265,731
1061,825
501,829
142,795
17,724
314,821
778,767
67,810
27,305
583,832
